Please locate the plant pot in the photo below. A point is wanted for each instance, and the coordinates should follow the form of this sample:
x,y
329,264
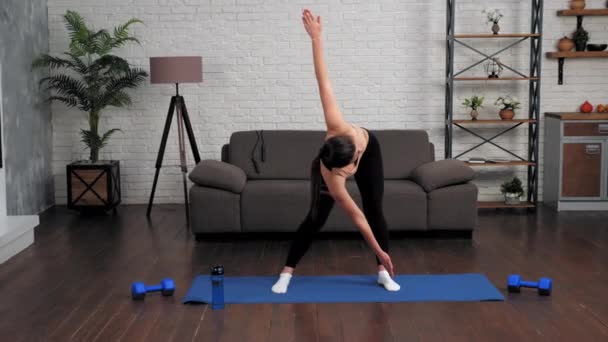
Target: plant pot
x,y
507,114
512,199
565,44
495,28
93,185
474,114
577,5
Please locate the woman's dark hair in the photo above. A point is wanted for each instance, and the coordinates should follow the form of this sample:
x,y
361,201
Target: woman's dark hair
x,y
335,152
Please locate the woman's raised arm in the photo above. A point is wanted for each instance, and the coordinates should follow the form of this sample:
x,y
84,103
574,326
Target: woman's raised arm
x,y
333,117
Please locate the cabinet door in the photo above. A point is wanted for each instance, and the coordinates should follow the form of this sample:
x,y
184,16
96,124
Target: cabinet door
x,y
581,170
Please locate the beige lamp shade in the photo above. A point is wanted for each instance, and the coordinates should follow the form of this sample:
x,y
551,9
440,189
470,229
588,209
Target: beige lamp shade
x,y
186,69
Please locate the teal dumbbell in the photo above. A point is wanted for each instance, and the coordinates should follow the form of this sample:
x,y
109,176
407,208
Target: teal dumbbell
x,y
544,285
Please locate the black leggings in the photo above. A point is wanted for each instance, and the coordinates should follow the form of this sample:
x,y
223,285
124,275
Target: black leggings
x,y
370,180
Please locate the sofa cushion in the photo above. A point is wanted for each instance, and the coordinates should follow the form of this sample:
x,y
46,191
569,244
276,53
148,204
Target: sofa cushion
x,y
404,205
453,207
289,153
214,211
442,173
403,151
281,205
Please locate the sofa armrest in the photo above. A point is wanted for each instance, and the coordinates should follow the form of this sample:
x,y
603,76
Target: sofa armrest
x,y
220,175
442,173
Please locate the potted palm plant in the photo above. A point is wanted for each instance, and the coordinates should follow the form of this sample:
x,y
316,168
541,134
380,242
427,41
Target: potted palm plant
x,y
512,190
89,77
473,103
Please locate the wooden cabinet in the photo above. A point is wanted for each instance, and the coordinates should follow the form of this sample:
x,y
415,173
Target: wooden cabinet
x,y
581,170
576,161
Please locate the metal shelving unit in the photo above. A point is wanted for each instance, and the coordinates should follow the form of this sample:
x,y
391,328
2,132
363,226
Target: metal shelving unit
x,y
533,77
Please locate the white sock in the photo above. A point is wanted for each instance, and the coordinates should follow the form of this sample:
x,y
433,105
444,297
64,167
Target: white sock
x,y
385,280
281,285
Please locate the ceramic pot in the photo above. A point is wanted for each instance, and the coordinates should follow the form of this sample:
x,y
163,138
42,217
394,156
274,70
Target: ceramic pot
x,y
565,44
512,199
474,114
577,5
507,114
495,28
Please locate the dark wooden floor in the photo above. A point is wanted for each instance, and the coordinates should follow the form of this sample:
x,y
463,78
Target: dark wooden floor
x,y
73,283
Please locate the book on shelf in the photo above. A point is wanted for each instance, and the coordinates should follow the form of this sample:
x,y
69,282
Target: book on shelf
x,y
498,160
477,160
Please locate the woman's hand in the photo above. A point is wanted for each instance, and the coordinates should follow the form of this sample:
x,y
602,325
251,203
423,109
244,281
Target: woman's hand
x,y
385,259
312,25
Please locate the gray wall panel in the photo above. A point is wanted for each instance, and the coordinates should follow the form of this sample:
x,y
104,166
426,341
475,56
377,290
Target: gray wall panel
x,y
27,118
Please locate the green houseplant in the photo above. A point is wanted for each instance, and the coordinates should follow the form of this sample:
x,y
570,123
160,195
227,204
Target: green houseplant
x,y
512,190
89,77
509,105
473,103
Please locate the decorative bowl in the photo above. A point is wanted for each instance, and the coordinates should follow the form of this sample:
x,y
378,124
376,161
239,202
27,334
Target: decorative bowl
x,y
597,47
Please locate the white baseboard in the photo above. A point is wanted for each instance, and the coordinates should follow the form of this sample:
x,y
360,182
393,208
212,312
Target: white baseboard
x,y
16,234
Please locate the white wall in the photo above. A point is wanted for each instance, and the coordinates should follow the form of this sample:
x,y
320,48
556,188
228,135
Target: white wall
x,y
386,60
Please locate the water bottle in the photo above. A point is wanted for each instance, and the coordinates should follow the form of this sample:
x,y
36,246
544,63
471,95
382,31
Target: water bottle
x,y
217,287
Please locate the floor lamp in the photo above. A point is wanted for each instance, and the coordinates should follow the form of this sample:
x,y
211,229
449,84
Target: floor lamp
x,y
176,70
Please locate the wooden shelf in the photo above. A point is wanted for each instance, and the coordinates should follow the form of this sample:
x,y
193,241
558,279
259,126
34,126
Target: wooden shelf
x,y
510,163
577,54
490,35
578,116
496,79
492,122
498,204
562,55
583,13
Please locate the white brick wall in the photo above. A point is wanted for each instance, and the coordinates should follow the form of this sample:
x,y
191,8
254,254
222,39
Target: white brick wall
x,y
386,60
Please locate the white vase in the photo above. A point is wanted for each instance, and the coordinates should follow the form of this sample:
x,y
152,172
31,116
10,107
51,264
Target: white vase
x,y
512,199
474,114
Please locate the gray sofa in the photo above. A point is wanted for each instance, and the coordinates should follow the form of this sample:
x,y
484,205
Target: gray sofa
x,y
230,196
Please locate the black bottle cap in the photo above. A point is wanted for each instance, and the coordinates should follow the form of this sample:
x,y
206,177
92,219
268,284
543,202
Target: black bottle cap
x,y
217,270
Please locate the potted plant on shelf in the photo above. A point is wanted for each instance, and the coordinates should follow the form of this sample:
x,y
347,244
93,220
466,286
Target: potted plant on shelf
x,y
493,17
580,37
509,105
577,5
90,78
512,190
473,103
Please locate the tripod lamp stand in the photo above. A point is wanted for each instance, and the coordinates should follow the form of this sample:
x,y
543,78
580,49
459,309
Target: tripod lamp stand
x,y
176,70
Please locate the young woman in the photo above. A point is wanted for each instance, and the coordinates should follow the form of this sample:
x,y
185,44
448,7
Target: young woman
x,y
348,150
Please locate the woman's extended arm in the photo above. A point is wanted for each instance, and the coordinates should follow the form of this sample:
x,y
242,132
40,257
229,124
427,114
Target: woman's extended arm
x,y
333,118
337,189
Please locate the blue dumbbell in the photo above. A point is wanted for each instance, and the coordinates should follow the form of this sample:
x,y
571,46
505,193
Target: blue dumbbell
x,y
544,285
139,290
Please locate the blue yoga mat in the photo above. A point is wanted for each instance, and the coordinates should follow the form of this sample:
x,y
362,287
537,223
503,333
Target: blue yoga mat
x,y
348,289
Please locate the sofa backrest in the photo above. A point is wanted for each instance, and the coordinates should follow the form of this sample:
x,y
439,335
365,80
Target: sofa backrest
x,y
289,153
